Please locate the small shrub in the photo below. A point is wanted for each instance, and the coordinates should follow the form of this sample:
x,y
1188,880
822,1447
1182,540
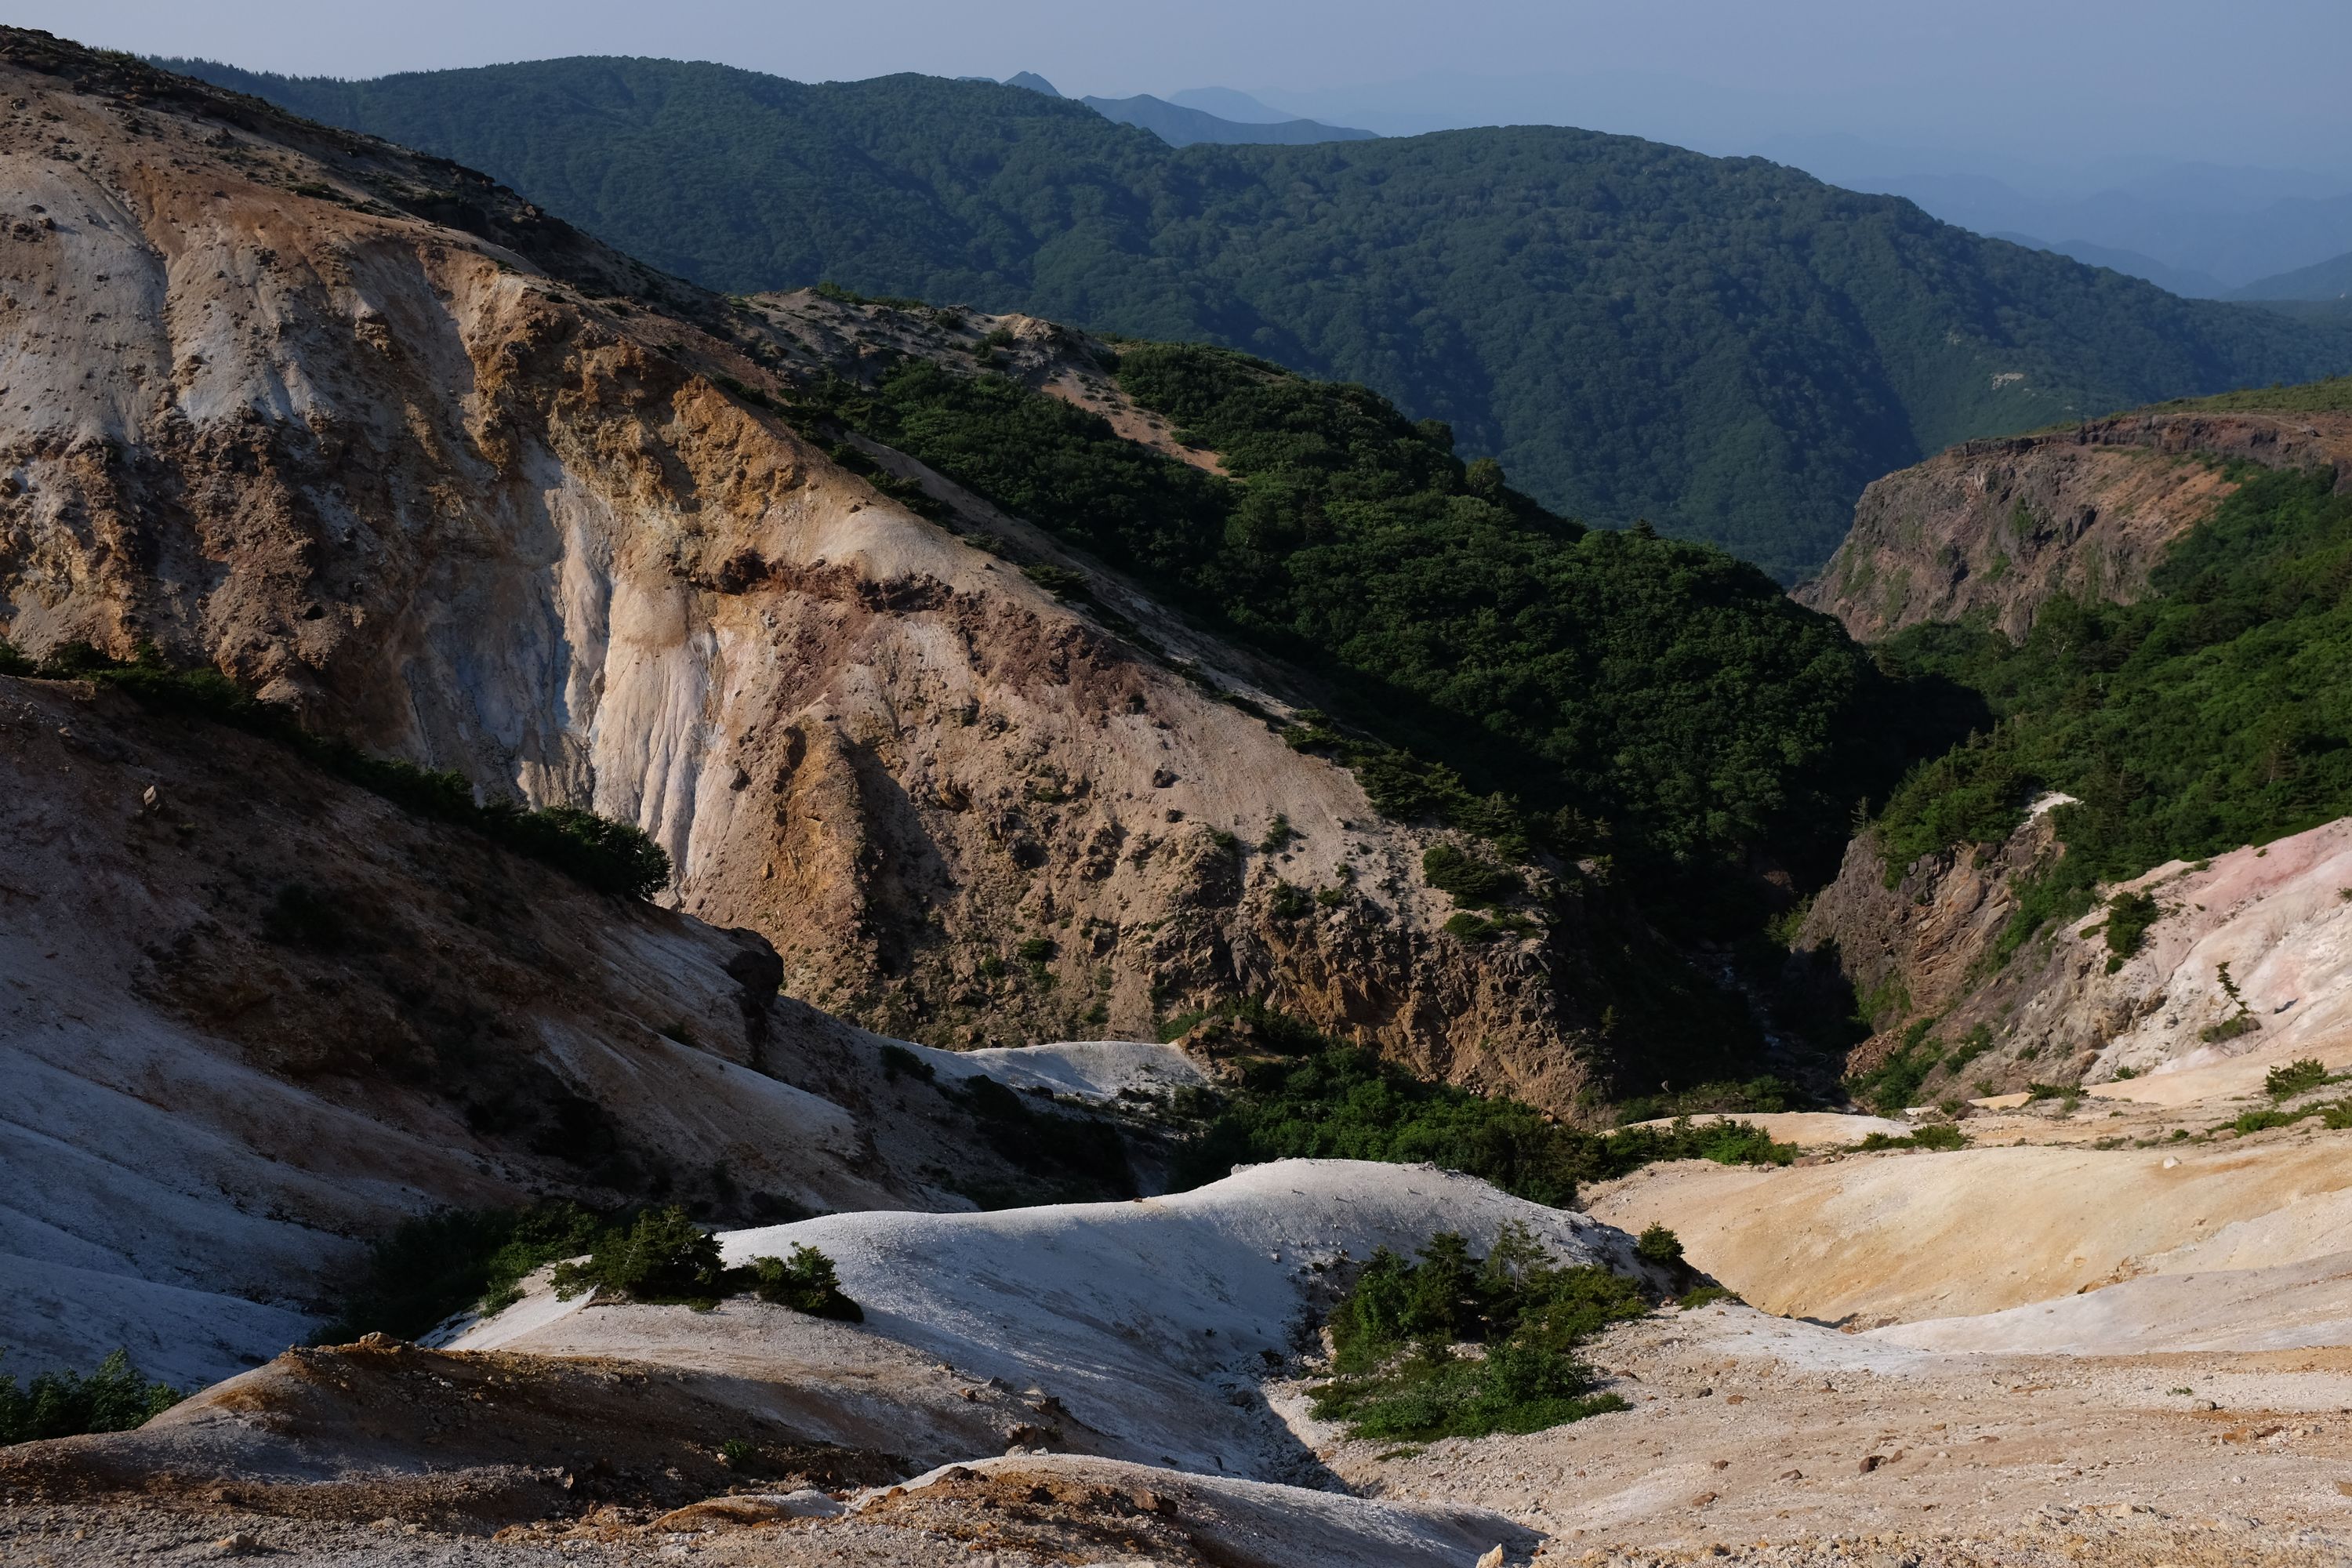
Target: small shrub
x,y
1939,1135
1660,1246
2253,1122
2130,916
1464,926
1038,949
1061,581
2295,1077
1289,901
1278,834
1470,879
806,1283
114,1397
2240,1022
663,1257
737,1453
2335,1117
1707,1295
1890,1088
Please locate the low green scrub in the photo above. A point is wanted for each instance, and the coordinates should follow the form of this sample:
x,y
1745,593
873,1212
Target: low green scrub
x,y
1941,1136
2130,915
1706,1296
1472,881
114,1397
2298,1077
1454,1346
806,1283
2249,1121
661,1255
664,1257
613,858
1349,1104
1755,1096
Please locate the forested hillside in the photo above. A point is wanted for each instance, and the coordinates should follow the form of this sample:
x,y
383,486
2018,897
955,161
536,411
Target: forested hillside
x,y
1613,692
1724,346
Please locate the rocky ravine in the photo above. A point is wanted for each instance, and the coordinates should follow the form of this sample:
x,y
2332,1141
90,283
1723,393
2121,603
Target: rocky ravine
x,y
397,451
1997,527
2277,914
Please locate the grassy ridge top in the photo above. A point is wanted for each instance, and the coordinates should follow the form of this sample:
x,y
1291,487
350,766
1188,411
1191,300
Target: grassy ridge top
x,y
1725,346
2333,396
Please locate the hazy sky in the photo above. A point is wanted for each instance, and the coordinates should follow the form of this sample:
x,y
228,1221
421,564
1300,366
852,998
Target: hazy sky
x,y
2064,81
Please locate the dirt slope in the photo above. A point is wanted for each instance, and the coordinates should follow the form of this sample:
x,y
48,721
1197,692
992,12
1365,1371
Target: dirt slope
x,y
1996,527
392,448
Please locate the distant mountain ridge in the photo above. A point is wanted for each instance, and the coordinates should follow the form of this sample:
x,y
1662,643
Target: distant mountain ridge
x,y
2330,280
1725,347
1181,126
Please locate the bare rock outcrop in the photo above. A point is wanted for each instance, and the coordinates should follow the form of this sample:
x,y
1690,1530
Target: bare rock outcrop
x,y
1998,527
434,471
1927,955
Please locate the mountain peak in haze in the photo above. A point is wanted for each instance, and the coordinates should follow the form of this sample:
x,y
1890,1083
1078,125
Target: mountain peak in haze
x,y
1226,103
1033,82
1180,126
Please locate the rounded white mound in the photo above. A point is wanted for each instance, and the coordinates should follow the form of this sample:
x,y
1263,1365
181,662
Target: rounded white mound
x,y
1152,1321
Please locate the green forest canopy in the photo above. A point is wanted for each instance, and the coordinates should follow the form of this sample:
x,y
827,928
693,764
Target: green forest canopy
x,y
1725,346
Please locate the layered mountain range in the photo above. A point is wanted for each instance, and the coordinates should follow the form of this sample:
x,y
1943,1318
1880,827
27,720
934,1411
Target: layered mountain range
x,y
1725,347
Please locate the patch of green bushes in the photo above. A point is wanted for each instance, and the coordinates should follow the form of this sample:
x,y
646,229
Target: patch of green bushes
x,y
2130,915
1472,881
2298,1076
113,1397
664,1257
1941,1136
1399,1335
806,1283
1892,1087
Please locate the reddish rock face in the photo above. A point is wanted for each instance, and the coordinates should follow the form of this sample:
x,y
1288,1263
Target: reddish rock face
x,y
1997,528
